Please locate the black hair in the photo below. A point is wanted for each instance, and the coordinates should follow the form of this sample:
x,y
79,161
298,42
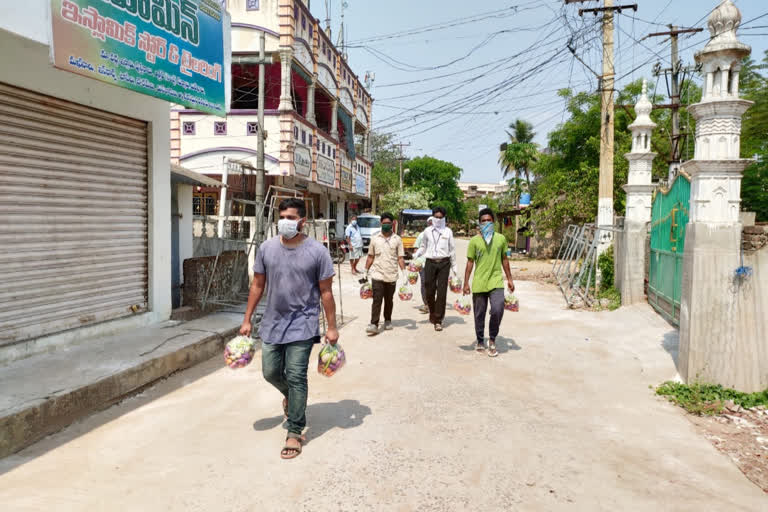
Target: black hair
x,y
293,202
387,215
486,211
438,209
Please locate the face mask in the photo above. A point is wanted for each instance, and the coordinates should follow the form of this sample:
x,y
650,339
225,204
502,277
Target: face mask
x,y
386,228
288,228
354,223
439,223
487,228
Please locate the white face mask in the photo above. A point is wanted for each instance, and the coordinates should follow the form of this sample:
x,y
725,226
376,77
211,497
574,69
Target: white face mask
x,y
439,223
288,228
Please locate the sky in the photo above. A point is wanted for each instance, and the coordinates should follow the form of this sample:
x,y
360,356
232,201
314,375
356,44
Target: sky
x,y
451,75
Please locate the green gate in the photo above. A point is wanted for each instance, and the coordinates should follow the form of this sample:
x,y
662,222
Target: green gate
x,y
668,221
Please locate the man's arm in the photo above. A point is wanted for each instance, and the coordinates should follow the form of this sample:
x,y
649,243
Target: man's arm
x,y
508,272
452,252
467,274
329,305
254,296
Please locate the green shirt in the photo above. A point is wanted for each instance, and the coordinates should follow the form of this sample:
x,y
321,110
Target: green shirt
x,y
487,258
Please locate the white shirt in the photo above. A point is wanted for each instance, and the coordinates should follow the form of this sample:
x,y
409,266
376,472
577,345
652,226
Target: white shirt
x,y
437,245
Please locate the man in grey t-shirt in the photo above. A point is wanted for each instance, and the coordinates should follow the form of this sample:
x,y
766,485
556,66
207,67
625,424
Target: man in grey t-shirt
x,y
299,273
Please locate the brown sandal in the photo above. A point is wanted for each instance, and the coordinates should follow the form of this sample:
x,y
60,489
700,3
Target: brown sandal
x,y
291,452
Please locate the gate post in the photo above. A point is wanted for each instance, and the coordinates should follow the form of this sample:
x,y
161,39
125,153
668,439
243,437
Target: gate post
x,y
718,335
630,246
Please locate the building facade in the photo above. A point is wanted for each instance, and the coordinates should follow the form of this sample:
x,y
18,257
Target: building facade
x,y
475,190
317,115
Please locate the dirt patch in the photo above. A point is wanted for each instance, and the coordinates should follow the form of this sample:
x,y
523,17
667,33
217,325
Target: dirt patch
x,y
741,434
531,270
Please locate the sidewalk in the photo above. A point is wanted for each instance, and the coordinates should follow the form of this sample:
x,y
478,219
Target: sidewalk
x,y
45,393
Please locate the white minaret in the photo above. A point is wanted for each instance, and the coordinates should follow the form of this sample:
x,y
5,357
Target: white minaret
x,y
638,188
716,168
722,328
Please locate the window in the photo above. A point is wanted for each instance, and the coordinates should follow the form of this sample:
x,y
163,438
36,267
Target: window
x,y
303,137
324,49
296,13
219,127
188,128
309,139
296,132
303,22
318,144
204,203
252,5
334,153
323,147
311,32
252,128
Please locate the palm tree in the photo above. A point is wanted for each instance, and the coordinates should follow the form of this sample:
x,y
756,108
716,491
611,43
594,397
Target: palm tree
x,y
520,152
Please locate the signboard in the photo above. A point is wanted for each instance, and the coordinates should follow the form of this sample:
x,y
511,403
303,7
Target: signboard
x,y
302,160
169,49
360,186
346,179
326,170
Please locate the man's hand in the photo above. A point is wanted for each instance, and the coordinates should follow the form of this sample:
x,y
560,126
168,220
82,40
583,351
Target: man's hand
x,y
246,328
511,286
467,291
332,335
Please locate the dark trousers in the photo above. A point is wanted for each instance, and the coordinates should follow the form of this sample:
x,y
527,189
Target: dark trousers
x,y
480,305
386,292
423,287
285,367
436,274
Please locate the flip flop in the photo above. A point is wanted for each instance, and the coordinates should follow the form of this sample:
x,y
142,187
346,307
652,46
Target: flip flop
x,y
492,350
291,452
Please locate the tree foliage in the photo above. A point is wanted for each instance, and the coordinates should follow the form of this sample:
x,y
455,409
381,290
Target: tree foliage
x,y
440,180
754,142
397,200
520,153
385,175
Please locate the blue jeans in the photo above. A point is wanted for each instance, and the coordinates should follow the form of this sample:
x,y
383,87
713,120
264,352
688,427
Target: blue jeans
x,y
285,367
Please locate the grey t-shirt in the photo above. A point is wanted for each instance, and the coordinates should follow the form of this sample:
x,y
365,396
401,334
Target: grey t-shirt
x,y
293,295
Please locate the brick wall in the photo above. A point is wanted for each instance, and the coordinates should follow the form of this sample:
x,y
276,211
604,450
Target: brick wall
x,y
755,238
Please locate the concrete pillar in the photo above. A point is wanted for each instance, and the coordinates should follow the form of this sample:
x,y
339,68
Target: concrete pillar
x,y
718,325
335,119
630,249
311,101
286,56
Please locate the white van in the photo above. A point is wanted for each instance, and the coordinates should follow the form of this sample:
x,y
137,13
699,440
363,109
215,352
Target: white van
x,y
370,226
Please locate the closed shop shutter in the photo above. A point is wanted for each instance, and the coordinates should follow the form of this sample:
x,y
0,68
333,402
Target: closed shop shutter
x,y
73,215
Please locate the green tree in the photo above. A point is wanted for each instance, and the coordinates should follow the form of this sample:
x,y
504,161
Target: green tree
x,y
520,152
397,200
385,175
754,143
440,180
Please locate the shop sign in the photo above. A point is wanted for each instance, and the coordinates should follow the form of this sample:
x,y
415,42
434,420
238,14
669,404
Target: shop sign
x,y
346,179
326,170
302,160
361,187
169,49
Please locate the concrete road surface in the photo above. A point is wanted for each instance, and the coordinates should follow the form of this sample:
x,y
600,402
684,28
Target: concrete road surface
x,y
563,419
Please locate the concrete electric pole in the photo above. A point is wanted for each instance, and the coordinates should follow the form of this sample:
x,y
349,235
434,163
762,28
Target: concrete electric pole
x,y
260,171
401,159
607,80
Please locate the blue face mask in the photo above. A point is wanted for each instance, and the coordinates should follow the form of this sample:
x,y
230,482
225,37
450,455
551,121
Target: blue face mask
x,y
487,229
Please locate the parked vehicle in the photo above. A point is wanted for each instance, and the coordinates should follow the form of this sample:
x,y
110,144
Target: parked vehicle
x,y
410,224
370,226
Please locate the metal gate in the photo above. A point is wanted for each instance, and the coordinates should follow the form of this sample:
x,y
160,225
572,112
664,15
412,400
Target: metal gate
x,y
73,201
668,222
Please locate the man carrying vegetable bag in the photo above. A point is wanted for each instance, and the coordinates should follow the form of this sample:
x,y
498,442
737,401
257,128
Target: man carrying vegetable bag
x,y
355,242
488,253
385,255
298,273
417,244
440,249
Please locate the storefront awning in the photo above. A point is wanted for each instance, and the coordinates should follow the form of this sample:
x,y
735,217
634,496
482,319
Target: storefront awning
x,y
181,174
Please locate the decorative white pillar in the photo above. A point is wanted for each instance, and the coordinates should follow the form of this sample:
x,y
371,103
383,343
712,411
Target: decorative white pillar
x,y
717,342
630,245
335,119
311,101
286,56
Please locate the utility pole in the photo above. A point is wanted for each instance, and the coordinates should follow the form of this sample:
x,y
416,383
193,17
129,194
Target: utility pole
x,y
607,80
260,171
401,159
674,84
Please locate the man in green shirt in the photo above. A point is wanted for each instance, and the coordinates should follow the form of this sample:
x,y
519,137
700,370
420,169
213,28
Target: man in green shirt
x,y
488,252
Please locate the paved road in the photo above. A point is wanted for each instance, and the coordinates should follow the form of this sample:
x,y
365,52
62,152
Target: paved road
x,y
563,419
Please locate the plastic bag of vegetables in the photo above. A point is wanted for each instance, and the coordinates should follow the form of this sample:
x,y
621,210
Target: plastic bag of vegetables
x,y
366,291
511,303
463,305
330,359
417,265
455,284
413,277
405,292
238,353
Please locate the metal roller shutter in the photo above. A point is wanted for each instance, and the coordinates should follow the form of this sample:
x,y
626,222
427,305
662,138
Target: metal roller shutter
x,y
73,204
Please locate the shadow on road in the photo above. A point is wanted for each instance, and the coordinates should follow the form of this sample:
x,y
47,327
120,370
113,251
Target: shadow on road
x,y
671,343
407,323
503,345
323,417
453,320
